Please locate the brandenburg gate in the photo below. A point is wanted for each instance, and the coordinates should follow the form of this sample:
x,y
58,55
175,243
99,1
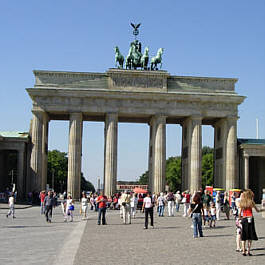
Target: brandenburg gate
x,y
138,96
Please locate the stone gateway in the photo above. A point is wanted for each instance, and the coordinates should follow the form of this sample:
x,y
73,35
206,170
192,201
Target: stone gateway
x,y
152,97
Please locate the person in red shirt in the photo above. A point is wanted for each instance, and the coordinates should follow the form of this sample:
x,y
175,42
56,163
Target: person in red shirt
x,y
102,202
42,197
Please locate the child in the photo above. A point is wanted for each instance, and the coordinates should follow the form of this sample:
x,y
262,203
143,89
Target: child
x,y
238,235
206,215
213,214
69,209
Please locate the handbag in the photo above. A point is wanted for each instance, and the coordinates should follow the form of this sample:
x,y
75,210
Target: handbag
x,y
184,199
193,210
71,208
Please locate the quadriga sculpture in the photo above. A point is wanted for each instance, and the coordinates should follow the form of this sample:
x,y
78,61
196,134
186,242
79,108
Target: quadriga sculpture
x,y
157,59
118,58
145,59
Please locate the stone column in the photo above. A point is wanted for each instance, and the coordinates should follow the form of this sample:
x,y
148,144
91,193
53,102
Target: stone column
x,y
195,154
74,155
20,173
150,158
2,170
110,153
246,171
158,153
191,153
44,151
36,152
231,152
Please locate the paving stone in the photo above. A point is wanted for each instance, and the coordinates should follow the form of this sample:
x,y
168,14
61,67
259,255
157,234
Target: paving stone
x,y
170,242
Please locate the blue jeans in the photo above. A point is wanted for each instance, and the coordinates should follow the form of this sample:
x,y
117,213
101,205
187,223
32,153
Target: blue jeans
x,y
177,207
101,215
197,224
161,210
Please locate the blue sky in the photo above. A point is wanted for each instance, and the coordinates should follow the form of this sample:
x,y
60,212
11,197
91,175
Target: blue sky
x,y
200,38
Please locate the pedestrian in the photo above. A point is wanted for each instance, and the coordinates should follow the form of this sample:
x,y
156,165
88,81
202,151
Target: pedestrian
x,y
238,235
206,215
248,226
102,201
84,204
48,203
218,201
92,202
42,197
186,202
120,207
161,204
206,198
213,215
148,210
134,202
196,213
126,207
177,200
226,206
69,209
170,203
11,204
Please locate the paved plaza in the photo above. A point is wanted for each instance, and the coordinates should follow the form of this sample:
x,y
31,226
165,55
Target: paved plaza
x,y
28,239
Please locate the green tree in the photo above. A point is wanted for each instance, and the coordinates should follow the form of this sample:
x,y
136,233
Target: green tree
x,y
144,178
57,172
207,169
173,173
173,170
207,150
86,185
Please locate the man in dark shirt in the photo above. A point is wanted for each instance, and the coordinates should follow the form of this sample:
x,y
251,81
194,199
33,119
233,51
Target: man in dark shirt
x,y
48,204
206,198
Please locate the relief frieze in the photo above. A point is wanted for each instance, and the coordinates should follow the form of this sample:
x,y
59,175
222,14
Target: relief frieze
x,y
135,81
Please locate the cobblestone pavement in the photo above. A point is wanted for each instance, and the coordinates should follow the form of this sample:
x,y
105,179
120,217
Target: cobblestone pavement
x,y
170,242
28,239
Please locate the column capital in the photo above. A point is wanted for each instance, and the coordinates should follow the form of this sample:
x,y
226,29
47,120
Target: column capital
x,y
76,115
40,114
112,116
246,155
232,118
158,118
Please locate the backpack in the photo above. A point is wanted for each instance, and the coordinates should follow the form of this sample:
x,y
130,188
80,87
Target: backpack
x,y
170,197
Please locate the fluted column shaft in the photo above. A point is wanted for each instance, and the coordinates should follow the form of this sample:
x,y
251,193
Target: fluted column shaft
x,y
246,172
195,154
158,153
36,152
74,155
150,158
231,145
20,174
110,160
44,151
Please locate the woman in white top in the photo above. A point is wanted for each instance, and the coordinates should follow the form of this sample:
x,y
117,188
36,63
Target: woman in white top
x,y
84,204
69,209
11,204
134,202
148,209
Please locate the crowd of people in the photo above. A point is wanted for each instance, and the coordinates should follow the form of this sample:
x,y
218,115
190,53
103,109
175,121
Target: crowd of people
x,y
202,207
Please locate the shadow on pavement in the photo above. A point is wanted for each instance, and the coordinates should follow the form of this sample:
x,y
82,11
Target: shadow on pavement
x,y
229,235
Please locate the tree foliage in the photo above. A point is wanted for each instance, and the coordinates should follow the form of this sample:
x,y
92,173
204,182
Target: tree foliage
x,y
173,170
144,178
207,166
57,172
173,173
